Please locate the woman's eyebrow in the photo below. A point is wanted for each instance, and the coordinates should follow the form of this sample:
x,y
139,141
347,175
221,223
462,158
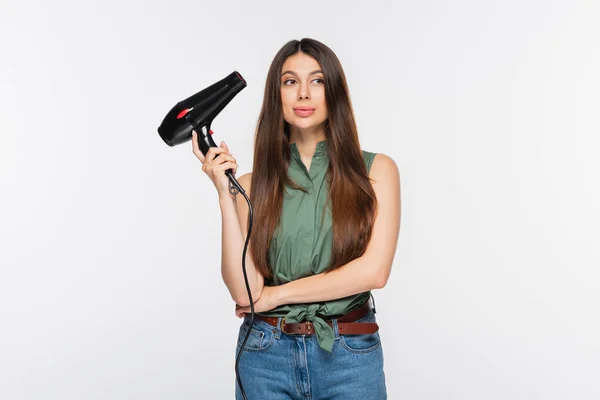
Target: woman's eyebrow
x,y
318,71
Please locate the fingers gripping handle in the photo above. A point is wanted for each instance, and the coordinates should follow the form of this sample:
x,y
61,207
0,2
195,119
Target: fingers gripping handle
x,y
205,142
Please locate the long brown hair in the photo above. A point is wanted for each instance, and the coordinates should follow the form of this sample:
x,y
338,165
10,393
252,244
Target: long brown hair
x,y
350,196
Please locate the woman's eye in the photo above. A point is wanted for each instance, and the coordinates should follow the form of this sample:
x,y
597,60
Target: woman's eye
x,y
293,80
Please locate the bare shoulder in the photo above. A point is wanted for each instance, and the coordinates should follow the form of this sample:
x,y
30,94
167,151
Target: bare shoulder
x,y
384,169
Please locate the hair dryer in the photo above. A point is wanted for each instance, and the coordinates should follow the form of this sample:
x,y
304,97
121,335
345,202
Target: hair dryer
x,y
197,113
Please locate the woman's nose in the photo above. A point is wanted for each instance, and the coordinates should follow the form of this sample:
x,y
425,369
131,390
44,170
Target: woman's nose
x,y
303,92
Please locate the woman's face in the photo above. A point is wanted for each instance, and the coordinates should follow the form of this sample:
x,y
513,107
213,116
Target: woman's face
x,y
303,88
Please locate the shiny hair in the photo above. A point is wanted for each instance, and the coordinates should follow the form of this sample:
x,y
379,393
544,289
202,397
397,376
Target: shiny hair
x,y
350,194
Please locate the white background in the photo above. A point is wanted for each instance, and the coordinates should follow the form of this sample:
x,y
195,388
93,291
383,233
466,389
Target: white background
x,y
110,283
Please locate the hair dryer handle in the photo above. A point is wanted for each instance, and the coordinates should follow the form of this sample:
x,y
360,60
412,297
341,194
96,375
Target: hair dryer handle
x,y
205,141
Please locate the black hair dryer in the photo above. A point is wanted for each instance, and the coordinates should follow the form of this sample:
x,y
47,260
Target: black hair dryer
x,y
197,113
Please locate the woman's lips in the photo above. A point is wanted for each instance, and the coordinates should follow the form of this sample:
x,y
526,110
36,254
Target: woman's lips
x,y
304,112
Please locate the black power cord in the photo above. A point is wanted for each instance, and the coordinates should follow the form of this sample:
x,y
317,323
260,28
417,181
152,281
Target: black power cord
x,y
235,188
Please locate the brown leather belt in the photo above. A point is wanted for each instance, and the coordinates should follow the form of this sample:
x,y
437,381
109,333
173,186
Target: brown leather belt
x,y
345,324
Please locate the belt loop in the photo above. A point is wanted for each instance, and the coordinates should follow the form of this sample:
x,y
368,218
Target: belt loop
x,y
277,330
373,299
334,326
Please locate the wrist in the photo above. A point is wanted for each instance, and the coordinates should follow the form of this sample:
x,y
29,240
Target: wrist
x,y
226,197
279,294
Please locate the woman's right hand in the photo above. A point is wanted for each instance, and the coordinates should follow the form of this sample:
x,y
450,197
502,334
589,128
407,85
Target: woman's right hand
x,y
214,166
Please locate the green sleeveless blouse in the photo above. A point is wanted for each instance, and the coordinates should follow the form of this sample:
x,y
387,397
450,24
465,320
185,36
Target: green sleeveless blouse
x,y
301,245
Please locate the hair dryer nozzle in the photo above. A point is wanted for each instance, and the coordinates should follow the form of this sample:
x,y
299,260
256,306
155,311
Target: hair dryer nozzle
x,y
198,111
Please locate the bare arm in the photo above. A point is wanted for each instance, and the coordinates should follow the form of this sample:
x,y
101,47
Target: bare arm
x,y
234,211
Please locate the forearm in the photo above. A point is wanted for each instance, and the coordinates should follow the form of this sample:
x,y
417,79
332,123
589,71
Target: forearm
x,y
358,276
233,240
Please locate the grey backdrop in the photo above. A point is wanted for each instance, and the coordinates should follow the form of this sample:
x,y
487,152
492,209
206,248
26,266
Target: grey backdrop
x,y
110,283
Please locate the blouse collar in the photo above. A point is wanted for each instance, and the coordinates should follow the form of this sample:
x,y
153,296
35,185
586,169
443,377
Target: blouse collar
x,y
320,156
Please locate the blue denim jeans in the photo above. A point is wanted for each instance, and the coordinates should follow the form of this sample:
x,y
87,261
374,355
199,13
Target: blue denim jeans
x,y
278,366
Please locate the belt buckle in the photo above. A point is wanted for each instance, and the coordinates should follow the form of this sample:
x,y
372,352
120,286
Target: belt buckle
x,y
309,332
282,327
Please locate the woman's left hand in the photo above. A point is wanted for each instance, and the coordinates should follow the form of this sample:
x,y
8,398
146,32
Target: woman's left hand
x,y
268,300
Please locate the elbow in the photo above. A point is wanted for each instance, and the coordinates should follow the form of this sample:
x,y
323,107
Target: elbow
x,y
379,283
243,299
381,278
377,271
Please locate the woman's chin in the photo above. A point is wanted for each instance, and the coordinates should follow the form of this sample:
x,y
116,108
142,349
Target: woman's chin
x,y
306,123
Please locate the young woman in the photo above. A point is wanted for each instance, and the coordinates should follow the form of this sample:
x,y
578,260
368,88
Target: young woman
x,y
325,229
